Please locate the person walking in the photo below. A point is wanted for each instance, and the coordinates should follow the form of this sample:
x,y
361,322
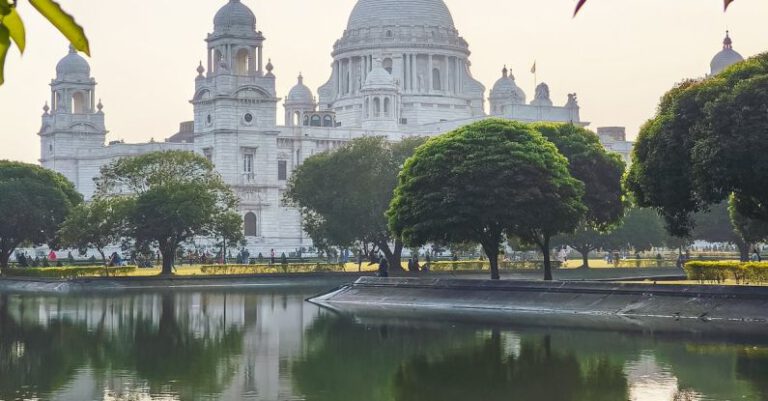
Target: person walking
x,y
272,257
383,267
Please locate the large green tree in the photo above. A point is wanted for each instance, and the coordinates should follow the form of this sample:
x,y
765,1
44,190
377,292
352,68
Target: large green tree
x,y
641,229
483,181
601,173
170,197
33,202
706,142
343,195
94,225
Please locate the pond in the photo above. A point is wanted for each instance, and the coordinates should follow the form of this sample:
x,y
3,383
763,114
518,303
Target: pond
x,y
271,345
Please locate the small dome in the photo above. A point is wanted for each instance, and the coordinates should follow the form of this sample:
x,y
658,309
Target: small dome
x,y
300,93
379,78
234,15
506,88
726,57
372,13
73,66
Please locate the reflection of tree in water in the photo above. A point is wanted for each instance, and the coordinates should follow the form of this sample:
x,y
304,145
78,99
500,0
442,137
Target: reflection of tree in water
x,y
486,372
38,359
168,355
753,366
346,361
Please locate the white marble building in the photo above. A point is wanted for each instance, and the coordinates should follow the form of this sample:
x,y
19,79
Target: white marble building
x,y
400,69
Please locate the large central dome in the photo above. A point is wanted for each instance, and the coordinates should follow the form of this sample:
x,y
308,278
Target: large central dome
x,y
372,13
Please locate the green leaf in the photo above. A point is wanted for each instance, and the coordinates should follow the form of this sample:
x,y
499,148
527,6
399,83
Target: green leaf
x,y
16,30
64,22
5,7
5,44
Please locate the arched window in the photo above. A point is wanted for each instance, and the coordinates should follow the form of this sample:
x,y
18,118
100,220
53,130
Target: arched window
x,y
296,118
376,107
389,34
242,62
78,103
315,121
436,85
367,107
387,64
251,228
386,106
327,121
306,121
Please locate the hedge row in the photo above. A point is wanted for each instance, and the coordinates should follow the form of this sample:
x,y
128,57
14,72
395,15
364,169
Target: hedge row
x,y
267,269
484,265
69,272
719,272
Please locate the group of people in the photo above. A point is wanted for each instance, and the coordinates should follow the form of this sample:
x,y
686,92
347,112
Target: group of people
x,y
413,265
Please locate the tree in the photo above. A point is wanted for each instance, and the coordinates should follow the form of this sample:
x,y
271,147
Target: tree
x,y
750,231
12,27
169,197
600,171
33,201
705,143
229,228
480,182
641,229
94,225
343,195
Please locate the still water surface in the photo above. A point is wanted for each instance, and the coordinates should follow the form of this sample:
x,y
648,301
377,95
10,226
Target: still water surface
x,y
274,346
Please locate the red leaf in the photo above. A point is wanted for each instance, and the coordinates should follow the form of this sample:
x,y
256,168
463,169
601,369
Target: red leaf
x,y
582,2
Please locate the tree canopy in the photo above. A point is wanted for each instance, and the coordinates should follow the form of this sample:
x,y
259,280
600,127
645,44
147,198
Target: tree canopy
x,y
600,171
343,195
706,142
170,197
94,225
33,201
483,181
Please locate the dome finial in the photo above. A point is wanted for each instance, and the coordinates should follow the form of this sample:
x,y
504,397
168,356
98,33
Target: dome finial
x,y
72,49
100,106
200,69
46,108
727,42
504,71
301,78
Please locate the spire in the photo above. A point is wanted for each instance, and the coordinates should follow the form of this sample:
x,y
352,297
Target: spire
x,y
200,69
504,71
727,42
301,79
72,49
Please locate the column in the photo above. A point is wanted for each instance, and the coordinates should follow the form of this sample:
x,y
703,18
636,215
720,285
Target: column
x,y
261,61
430,85
210,61
349,75
413,74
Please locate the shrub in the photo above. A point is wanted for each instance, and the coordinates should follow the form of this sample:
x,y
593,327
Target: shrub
x,y
216,270
70,272
719,272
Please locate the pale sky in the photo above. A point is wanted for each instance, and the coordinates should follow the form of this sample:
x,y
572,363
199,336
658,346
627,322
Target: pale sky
x,y
620,56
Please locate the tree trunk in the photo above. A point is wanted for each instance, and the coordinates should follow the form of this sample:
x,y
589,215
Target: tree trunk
x,y
743,250
393,257
168,251
547,262
491,250
4,257
103,261
585,259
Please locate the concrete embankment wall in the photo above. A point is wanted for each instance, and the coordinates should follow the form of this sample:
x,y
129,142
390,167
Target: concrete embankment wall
x,y
87,285
678,302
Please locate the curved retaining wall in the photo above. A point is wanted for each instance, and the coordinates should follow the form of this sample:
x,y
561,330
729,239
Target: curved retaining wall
x,y
678,302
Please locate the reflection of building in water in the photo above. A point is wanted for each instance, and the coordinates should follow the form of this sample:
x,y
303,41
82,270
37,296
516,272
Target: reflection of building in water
x,y
272,335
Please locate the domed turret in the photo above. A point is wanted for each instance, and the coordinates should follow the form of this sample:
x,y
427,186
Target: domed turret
x,y
726,57
379,78
298,102
505,93
73,67
300,93
234,16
